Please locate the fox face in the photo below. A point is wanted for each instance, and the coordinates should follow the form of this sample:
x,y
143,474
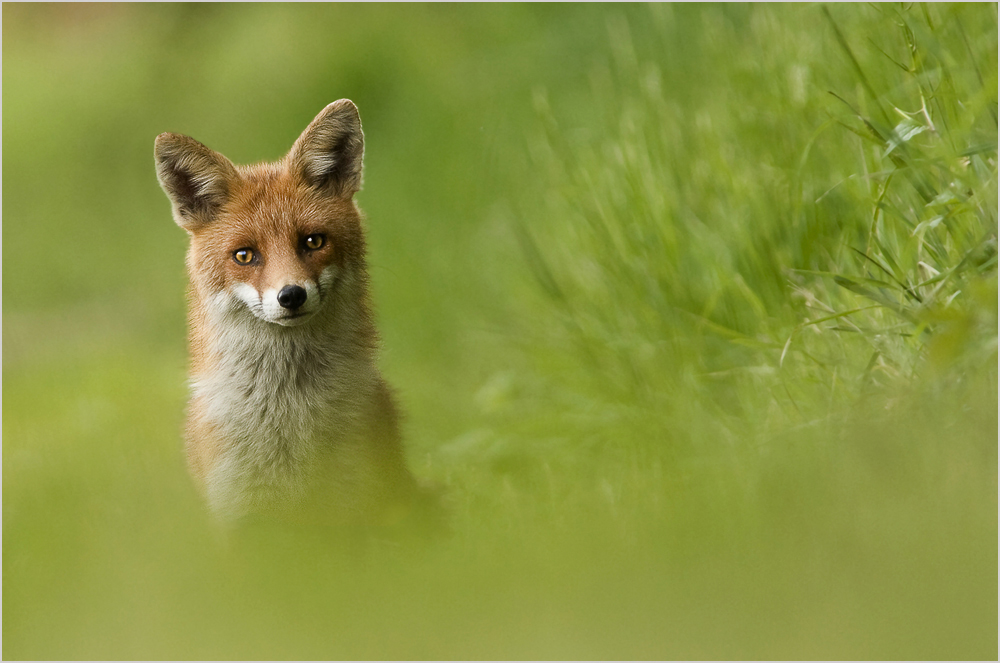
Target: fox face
x,y
271,241
277,249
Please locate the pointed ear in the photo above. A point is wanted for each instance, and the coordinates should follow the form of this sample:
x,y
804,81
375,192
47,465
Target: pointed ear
x,y
329,152
196,179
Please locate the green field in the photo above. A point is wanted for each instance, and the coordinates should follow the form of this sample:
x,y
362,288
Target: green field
x,y
692,310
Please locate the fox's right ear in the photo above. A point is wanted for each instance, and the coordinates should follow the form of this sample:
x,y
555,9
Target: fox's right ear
x,y
196,179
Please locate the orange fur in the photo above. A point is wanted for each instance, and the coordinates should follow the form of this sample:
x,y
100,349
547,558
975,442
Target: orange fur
x,y
289,413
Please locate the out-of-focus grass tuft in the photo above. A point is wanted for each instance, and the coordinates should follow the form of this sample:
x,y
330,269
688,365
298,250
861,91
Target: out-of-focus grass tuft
x,y
691,249
772,334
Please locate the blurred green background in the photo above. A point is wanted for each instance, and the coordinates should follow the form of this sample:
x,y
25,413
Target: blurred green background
x,y
692,309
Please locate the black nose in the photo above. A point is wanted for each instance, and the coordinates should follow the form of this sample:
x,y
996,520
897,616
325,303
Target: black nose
x,y
292,297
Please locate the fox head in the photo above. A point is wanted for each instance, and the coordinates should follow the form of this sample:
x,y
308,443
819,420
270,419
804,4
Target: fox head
x,y
271,239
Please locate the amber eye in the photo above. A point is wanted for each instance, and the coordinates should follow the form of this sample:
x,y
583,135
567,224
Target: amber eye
x,y
314,241
243,256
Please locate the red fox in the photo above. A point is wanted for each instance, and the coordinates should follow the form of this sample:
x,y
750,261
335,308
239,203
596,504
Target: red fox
x,y
288,412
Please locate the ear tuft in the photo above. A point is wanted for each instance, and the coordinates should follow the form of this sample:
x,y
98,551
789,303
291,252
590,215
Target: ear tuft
x,y
329,153
196,179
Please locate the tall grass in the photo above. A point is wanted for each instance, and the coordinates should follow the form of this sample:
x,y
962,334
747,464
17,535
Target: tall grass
x,y
772,309
773,266
923,271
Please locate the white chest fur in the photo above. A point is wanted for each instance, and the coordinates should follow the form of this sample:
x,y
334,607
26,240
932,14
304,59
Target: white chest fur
x,y
279,398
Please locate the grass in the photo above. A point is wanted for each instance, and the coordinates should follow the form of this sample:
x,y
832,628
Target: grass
x,y
692,309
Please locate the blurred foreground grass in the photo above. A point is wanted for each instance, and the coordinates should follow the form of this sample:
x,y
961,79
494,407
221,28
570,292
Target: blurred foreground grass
x,y
705,355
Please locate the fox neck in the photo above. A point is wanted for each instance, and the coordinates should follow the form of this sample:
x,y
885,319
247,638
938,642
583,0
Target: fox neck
x,y
277,394
264,360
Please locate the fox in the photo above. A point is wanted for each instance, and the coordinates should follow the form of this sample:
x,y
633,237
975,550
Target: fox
x,y
289,415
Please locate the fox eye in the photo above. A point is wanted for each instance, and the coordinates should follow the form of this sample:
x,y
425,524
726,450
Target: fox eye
x,y
314,241
243,256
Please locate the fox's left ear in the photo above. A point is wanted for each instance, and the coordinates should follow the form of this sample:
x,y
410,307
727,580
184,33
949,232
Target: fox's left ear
x,y
329,152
